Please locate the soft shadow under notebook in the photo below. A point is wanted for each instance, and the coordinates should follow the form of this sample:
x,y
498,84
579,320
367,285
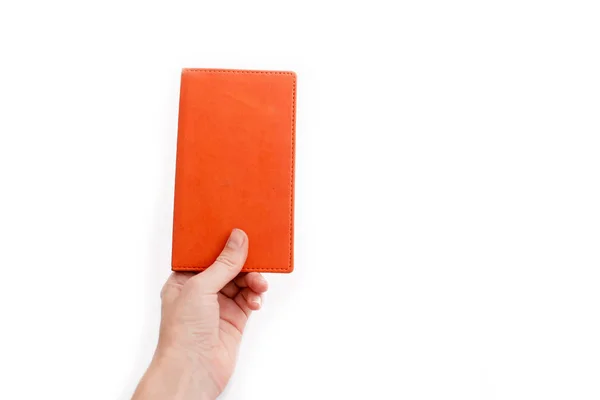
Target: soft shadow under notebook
x,y
235,167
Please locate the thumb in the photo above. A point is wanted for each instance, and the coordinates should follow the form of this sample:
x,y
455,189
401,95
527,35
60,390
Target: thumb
x,y
227,266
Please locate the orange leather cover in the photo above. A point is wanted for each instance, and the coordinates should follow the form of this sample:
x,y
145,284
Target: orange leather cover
x,y
235,167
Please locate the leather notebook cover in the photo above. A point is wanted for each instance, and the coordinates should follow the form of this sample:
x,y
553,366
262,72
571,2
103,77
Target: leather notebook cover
x,y
235,167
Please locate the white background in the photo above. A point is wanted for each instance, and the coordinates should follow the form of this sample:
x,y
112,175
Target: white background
x,y
448,195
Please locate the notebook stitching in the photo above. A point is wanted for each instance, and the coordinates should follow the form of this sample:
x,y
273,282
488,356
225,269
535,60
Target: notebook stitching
x,y
200,269
293,123
292,171
235,71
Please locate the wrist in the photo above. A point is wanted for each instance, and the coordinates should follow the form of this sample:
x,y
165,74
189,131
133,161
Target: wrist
x,y
175,357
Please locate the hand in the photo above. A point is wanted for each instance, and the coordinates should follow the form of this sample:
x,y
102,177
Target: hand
x,y
203,319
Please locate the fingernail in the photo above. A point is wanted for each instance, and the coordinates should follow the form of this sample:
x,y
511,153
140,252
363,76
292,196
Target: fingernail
x,y
264,281
258,301
236,239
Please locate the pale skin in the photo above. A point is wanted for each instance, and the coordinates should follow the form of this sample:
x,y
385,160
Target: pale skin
x,y
203,319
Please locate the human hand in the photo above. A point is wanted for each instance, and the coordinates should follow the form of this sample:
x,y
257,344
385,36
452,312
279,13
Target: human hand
x,y
203,319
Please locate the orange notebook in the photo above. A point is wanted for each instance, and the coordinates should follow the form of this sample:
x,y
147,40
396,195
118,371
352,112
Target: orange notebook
x,y
235,167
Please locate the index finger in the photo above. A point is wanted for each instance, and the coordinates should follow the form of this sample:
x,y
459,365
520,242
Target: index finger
x,y
253,280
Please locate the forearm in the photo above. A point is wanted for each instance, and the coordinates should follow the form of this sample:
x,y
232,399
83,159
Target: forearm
x,y
174,378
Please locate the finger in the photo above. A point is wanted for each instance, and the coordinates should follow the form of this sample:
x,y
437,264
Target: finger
x,y
172,286
180,278
253,280
248,301
227,265
230,290
231,313
253,299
